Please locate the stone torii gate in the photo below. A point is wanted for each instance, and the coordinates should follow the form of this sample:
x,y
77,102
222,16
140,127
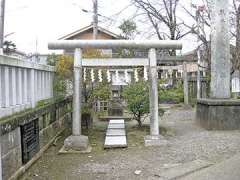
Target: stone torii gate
x,y
78,142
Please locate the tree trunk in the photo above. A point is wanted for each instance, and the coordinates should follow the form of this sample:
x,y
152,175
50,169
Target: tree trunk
x,y
138,118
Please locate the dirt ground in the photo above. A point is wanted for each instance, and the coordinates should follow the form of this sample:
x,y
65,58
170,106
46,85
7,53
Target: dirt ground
x,y
186,142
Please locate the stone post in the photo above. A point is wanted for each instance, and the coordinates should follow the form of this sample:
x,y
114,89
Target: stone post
x,y
220,112
77,142
154,139
25,87
51,80
37,85
77,100
40,85
13,86
220,50
185,83
43,85
6,87
32,88
19,86
153,94
46,85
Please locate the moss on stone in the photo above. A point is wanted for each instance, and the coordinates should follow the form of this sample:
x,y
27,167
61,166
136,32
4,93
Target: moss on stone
x,y
9,123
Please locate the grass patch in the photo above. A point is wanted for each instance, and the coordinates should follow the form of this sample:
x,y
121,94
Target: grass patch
x,y
96,137
135,136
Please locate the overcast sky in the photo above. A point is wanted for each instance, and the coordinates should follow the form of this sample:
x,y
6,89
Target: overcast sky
x,y
42,21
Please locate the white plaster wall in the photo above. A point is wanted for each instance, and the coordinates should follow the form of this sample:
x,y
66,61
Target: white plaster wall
x,y
16,83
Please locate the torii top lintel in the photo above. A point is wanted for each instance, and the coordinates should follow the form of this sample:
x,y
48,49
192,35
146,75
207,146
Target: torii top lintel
x,y
109,44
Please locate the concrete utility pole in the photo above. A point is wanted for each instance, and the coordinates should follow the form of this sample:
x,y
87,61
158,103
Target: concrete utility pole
x,y
95,19
2,13
198,56
220,51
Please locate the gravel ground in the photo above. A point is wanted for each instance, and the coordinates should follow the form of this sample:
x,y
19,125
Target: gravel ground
x,y
187,142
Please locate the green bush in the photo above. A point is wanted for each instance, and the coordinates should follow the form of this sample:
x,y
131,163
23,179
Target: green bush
x,y
102,92
137,98
172,95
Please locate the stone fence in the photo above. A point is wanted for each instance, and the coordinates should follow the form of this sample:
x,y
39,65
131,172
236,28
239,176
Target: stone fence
x,y
192,89
26,135
22,84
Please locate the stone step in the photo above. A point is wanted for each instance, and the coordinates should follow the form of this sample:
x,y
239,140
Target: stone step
x,y
184,169
116,126
115,141
116,121
116,132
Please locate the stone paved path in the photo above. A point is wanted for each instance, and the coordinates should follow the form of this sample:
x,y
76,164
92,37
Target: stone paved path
x,y
187,142
226,170
116,134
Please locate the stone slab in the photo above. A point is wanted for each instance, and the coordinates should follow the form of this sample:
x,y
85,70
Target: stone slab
x,y
64,151
107,118
76,143
115,141
155,140
226,170
116,126
116,121
184,169
116,132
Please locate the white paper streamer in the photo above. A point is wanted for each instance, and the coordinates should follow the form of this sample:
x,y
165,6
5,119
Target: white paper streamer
x,y
84,75
204,73
100,75
126,76
108,76
145,74
181,72
92,75
170,72
136,75
166,75
117,76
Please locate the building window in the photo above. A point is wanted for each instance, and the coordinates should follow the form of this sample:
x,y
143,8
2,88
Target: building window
x,y
103,105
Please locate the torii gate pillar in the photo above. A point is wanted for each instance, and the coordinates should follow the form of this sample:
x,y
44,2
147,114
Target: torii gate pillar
x,y
154,139
77,142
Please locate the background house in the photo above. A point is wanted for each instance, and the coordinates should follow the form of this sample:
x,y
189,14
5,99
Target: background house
x,y
87,33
